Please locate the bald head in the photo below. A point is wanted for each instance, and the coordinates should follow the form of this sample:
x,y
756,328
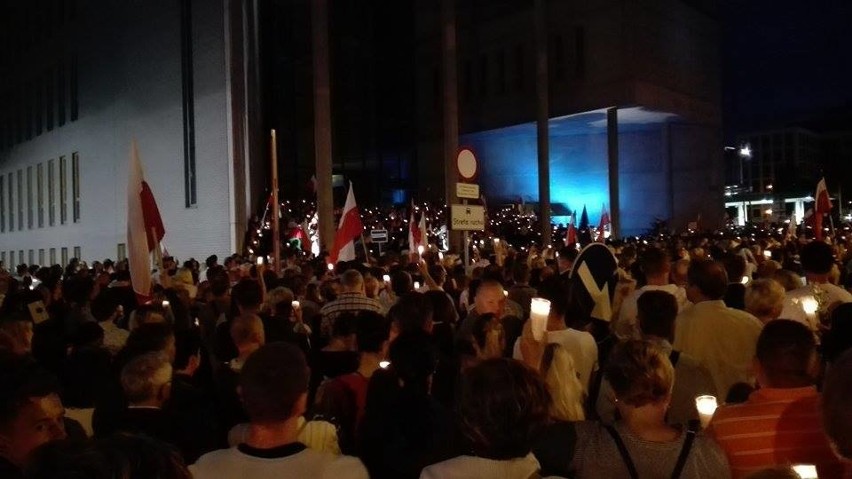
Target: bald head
x,y
247,332
707,280
352,282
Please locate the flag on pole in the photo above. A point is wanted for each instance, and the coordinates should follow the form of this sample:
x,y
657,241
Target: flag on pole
x,y
424,239
571,235
603,224
415,235
822,206
349,229
143,221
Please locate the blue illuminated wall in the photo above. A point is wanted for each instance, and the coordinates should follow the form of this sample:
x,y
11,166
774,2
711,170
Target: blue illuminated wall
x,y
578,168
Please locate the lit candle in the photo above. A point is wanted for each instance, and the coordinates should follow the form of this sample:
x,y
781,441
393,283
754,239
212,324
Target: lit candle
x,y
417,285
165,303
420,250
745,280
386,278
259,260
810,305
706,406
539,311
806,471
440,256
767,254
384,364
330,267
295,304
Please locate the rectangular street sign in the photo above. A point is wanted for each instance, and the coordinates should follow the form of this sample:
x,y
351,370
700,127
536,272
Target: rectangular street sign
x,y
467,217
467,190
379,236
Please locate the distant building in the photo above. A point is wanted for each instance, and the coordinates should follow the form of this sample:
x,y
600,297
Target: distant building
x,y
79,80
656,61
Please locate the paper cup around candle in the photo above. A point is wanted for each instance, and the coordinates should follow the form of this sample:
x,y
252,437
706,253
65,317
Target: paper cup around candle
x,y
259,260
706,406
806,471
417,285
539,311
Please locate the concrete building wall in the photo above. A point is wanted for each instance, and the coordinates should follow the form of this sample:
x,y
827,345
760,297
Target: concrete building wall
x,y
129,79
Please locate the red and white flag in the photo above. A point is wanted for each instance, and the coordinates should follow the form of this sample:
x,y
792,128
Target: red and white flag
x,y
822,206
145,228
415,234
349,229
571,236
603,224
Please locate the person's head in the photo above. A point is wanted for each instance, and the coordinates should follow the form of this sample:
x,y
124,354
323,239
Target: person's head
x,y
412,312
187,351
274,384
247,295
788,279
147,380
554,290
786,355
735,266
278,296
521,273
150,314
150,337
105,307
87,335
560,375
68,459
489,336
31,412
567,256
247,333
503,404
641,377
817,259
401,283
16,334
655,265
131,456
764,298
443,310
77,290
680,269
657,311
706,281
490,298
838,339
413,360
352,282
371,332
836,413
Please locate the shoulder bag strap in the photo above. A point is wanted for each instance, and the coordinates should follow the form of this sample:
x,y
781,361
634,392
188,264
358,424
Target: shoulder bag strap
x,y
622,449
684,454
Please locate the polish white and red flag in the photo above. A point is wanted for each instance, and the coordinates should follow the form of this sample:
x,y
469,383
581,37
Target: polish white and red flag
x,y
145,228
349,229
822,206
415,233
571,235
605,221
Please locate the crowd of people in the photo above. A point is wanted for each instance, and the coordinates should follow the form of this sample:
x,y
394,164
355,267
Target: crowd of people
x,y
407,366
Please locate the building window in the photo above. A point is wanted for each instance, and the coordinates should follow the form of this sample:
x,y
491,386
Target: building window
x,y
51,192
63,187
78,253
519,67
20,200
75,103
31,257
122,252
579,51
40,194
30,197
11,202
12,261
75,185
41,257
2,204
60,95
21,256
52,256
483,75
49,88
64,262
3,259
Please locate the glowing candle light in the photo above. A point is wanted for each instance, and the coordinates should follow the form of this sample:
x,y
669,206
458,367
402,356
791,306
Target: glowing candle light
x,y
706,406
539,311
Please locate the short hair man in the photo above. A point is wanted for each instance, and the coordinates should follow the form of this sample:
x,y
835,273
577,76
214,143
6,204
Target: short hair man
x,y
780,422
656,266
352,298
31,412
274,388
146,381
817,261
721,338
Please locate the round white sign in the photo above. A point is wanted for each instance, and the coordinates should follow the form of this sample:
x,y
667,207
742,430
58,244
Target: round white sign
x,y
466,164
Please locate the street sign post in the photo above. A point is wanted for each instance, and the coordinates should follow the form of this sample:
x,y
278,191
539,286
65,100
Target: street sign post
x,y
467,190
379,236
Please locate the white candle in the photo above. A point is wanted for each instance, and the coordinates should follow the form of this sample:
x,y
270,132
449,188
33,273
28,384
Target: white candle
x,y
810,305
384,364
417,285
440,256
539,311
386,278
767,254
165,304
420,250
744,280
806,471
259,260
706,406
330,267
295,304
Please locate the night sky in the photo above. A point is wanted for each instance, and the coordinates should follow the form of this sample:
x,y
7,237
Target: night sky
x,y
784,61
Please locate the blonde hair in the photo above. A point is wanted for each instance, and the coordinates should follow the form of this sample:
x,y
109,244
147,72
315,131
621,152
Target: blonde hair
x,y
788,279
560,375
640,373
764,298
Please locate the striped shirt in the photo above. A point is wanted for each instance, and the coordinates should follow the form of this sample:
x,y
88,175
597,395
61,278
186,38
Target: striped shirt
x,y
775,427
346,303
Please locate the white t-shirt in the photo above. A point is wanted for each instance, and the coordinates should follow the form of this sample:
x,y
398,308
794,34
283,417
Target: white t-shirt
x,y
464,467
627,326
291,461
579,344
794,309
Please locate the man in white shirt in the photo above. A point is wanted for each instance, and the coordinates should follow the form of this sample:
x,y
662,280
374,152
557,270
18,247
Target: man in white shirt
x,y
817,260
656,266
579,344
722,339
274,385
